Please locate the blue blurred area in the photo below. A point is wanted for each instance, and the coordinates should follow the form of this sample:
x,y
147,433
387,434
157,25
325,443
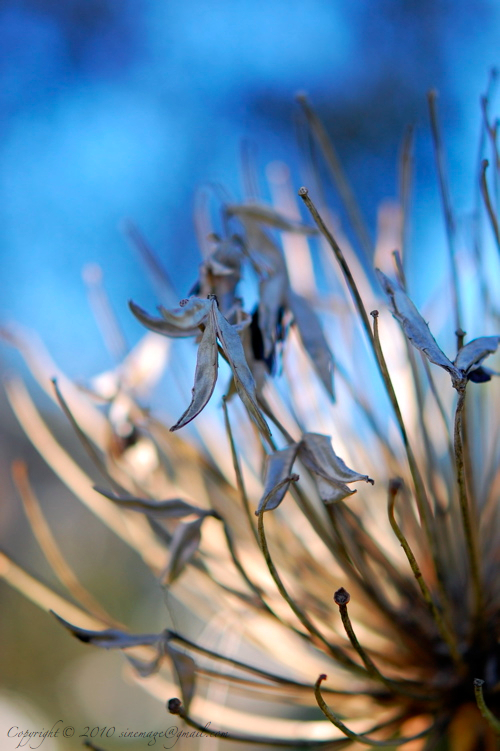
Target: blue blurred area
x,y
120,108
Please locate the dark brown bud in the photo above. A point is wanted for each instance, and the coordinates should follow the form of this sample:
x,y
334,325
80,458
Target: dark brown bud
x,y
374,313
174,706
341,596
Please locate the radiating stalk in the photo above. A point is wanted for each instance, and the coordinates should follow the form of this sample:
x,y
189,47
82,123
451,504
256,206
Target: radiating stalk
x,y
470,528
360,738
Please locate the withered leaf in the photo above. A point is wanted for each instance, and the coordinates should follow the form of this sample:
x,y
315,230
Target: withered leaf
x,y
185,542
243,378
172,509
278,468
472,354
205,376
312,337
415,328
265,214
110,638
160,325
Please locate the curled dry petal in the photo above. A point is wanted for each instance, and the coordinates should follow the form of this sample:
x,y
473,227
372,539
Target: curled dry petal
x,y
110,638
185,667
272,292
205,376
185,542
317,454
331,472
171,509
160,325
313,339
416,328
265,214
471,355
278,468
243,378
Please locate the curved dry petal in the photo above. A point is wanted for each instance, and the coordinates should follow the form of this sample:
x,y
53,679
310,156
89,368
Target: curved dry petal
x,y
272,299
243,378
160,325
171,509
185,667
205,376
472,354
265,214
415,327
190,314
332,491
317,454
312,337
185,542
278,468
110,638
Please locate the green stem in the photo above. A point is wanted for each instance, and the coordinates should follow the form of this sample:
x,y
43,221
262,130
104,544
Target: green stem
x,y
445,632
488,715
355,736
470,530
336,652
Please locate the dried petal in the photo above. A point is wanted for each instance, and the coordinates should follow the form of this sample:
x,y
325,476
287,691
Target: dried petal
x,y
185,542
260,212
160,325
317,454
110,638
313,339
243,378
278,468
415,327
471,355
171,509
205,376
185,667
332,491
272,293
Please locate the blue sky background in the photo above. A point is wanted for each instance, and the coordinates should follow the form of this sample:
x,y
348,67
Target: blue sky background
x,y
121,108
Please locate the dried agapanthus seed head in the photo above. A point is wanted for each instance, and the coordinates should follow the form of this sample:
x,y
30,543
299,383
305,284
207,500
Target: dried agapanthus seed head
x,y
253,549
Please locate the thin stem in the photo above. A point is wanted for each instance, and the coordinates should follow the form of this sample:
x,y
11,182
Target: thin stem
x,y
487,201
87,445
345,190
175,707
445,197
420,495
239,566
336,652
51,549
355,736
422,501
445,632
341,598
265,674
470,529
237,470
304,194
488,715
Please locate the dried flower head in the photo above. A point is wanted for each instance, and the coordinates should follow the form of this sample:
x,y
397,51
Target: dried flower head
x,y
250,519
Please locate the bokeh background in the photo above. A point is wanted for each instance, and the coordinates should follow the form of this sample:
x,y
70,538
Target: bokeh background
x,y
120,109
